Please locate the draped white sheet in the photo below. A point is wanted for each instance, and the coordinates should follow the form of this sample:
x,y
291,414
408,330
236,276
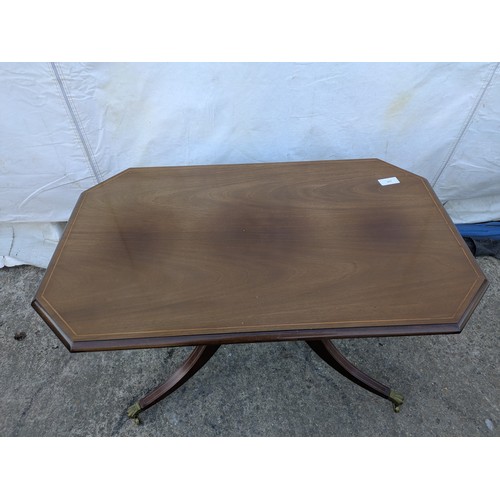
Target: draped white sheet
x,y
66,126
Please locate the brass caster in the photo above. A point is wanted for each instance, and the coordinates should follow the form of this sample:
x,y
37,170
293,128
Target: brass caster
x,y
397,400
133,413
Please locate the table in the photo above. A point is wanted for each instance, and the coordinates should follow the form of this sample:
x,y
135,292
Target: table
x,y
208,255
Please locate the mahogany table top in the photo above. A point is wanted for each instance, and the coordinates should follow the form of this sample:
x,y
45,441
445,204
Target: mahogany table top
x,y
171,256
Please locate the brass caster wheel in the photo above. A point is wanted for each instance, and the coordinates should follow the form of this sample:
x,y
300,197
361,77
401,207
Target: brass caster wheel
x,y
133,413
397,400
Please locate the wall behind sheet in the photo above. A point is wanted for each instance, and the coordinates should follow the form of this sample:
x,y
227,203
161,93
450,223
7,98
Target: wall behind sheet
x,y
66,126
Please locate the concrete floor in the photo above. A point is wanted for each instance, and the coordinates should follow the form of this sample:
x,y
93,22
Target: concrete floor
x,y
450,382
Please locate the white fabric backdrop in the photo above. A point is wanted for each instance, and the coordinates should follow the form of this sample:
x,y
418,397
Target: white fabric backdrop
x,y
66,126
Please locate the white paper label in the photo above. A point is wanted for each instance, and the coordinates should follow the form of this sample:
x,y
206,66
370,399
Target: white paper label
x,y
388,181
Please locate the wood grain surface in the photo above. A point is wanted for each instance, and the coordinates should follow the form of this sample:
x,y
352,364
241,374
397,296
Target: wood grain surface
x,y
232,253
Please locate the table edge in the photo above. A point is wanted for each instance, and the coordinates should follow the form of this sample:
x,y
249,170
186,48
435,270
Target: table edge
x,y
259,336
